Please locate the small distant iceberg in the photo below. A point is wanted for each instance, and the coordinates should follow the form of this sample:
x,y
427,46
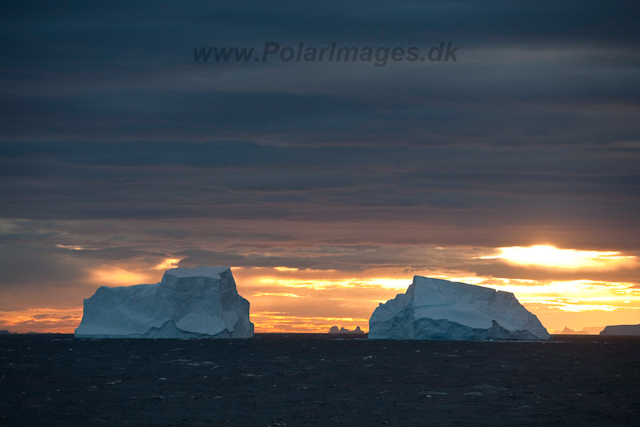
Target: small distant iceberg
x,y
435,309
335,330
629,330
200,302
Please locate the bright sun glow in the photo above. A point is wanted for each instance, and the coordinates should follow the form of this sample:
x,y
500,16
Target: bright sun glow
x,y
549,256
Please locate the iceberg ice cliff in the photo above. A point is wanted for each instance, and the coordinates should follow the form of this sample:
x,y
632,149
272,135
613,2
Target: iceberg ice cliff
x,y
434,309
199,302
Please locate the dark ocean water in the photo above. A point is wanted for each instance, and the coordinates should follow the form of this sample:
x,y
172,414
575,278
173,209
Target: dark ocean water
x,y
313,379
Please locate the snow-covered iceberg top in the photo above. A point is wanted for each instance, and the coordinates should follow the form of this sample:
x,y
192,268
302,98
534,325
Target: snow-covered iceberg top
x,y
435,309
200,302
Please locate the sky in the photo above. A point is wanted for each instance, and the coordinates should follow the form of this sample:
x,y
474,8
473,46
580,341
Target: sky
x,y
326,186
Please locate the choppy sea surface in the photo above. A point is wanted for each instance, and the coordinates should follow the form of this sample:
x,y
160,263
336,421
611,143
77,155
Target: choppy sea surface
x,y
318,380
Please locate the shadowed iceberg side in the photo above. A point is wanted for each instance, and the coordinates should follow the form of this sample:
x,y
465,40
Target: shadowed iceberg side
x,y
434,309
200,302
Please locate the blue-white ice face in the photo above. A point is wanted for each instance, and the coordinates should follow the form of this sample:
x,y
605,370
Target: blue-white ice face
x,y
200,302
439,309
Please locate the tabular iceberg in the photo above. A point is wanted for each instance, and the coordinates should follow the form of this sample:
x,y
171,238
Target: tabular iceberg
x,y
434,309
621,330
199,302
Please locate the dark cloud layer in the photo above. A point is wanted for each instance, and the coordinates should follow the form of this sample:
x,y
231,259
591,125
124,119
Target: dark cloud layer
x,y
549,188
114,139
543,74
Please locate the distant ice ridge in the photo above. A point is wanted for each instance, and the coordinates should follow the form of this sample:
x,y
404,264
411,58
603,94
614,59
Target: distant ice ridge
x,y
335,330
199,302
434,309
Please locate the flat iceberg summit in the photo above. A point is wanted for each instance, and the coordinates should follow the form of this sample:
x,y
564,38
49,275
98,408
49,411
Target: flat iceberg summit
x,y
434,309
200,302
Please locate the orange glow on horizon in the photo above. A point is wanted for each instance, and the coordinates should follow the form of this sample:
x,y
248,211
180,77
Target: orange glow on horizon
x,y
552,301
277,294
575,295
288,299
318,284
115,276
266,322
52,320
